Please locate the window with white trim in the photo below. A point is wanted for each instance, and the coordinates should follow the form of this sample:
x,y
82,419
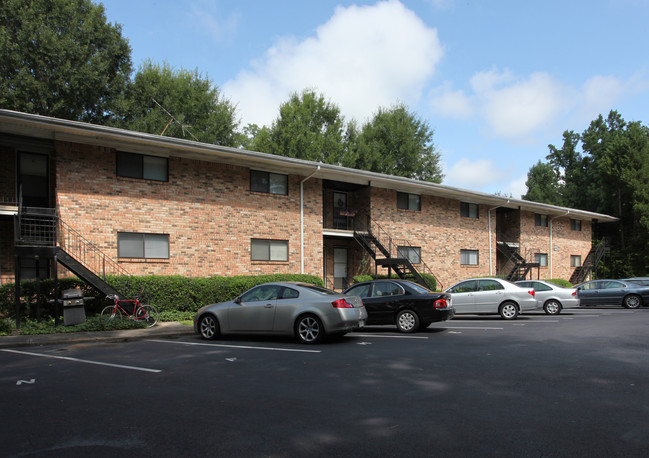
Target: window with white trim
x,y
541,220
132,165
469,257
575,225
468,210
407,201
411,253
575,260
270,183
268,250
541,259
143,246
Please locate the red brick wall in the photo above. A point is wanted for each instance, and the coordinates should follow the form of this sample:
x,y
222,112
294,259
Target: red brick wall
x,y
207,209
440,232
564,243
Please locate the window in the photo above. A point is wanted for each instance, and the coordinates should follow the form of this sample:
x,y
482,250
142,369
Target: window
x,y
489,285
541,220
268,250
146,246
541,259
411,253
133,165
387,289
361,291
290,293
575,225
575,260
468,210
406,201
270,183
465,287
261,293
469,257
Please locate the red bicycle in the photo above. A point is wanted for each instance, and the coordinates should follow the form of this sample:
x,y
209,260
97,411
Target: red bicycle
x,y
132,308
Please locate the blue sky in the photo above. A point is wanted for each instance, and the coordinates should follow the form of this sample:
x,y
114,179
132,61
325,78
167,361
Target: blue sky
x,y
497,80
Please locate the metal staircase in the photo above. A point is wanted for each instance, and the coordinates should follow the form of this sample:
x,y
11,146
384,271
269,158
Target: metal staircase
x,y
40,231
591,262
382,248
516,266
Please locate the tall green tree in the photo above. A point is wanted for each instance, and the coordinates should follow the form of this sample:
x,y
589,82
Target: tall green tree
x,y
397,142
308,127
605,169
543,185
176,103
61,58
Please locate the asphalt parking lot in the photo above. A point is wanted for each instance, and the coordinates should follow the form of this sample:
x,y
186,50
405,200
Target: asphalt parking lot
x,y
575,384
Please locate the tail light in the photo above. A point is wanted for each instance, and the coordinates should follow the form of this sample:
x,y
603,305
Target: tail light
x,y
440,304
532,293
342,304
574,293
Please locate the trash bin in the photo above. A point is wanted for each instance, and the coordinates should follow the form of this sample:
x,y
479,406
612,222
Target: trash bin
x,y
74,311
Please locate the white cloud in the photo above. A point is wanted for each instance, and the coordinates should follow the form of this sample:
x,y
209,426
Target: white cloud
x,y
478,174
362,58
210,20
517,187
451,103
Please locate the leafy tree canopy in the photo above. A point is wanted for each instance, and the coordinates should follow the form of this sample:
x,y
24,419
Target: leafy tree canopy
x,y
395,141
60,58
176,103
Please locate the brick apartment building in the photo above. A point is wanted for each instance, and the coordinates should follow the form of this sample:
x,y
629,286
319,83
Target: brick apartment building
x,y
147,204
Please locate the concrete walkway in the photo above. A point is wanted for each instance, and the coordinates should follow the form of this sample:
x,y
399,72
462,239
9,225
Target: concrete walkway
x,y
165,329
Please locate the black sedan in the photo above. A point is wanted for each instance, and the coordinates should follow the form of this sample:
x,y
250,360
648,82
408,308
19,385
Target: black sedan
x,y
613,292
406,304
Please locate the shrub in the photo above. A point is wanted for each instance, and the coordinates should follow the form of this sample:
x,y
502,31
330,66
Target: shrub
x,y
430,280
560,282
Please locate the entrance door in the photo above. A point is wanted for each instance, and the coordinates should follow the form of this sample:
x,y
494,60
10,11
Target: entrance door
x,y
340,203
33,179
340,268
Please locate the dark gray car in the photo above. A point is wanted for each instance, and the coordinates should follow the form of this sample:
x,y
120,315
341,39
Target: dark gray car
x,y
613,292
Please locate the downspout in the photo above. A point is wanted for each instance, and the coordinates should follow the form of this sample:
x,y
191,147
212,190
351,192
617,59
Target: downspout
x,y
551,245
491,269
302,219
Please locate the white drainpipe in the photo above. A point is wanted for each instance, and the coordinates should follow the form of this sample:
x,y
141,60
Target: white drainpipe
x,y
302,219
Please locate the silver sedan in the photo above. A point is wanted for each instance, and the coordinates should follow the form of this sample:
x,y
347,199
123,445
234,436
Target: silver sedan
x,y
303,310
491,295
550,297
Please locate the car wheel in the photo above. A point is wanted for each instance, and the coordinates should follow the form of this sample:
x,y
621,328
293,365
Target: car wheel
x,y
552,307
632,301
407,321
309,329
508,311
208,326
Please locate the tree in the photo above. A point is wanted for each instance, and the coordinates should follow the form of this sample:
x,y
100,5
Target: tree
x,y
543,185
60,58
396,142
176,103
609,175
308,127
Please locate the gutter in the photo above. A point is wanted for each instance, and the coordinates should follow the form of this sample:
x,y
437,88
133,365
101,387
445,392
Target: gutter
x,y
302,219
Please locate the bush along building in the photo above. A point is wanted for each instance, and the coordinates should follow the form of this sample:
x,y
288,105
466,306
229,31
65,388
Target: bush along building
x,y
94,201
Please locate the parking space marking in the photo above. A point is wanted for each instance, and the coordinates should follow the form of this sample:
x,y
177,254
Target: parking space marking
x,y
85,361
243,347
388,336
474,327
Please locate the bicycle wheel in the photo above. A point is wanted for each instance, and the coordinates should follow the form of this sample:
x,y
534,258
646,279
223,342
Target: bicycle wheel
x,y
110,314
147,313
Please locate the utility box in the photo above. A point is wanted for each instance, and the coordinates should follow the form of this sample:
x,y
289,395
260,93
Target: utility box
x,y
74,311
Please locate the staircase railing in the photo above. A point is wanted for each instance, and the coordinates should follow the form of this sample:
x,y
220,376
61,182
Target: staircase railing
x,y
374,233
591,262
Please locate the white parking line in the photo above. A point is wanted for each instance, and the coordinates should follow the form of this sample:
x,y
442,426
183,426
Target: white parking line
x,y
473,327
389,336
86,361
243,347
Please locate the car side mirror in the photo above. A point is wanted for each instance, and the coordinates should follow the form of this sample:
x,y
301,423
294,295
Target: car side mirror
x,y
237,300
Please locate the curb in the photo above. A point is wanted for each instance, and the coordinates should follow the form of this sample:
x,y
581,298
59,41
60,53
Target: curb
x,y
166,329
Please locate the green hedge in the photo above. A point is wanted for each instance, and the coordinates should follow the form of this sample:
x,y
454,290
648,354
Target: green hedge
x,y
169,294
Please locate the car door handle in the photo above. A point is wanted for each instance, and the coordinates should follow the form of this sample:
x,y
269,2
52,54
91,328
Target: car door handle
x,y
268,306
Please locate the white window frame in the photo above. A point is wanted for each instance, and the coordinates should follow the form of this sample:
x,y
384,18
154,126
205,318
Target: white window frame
x,y
268,250
138,245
